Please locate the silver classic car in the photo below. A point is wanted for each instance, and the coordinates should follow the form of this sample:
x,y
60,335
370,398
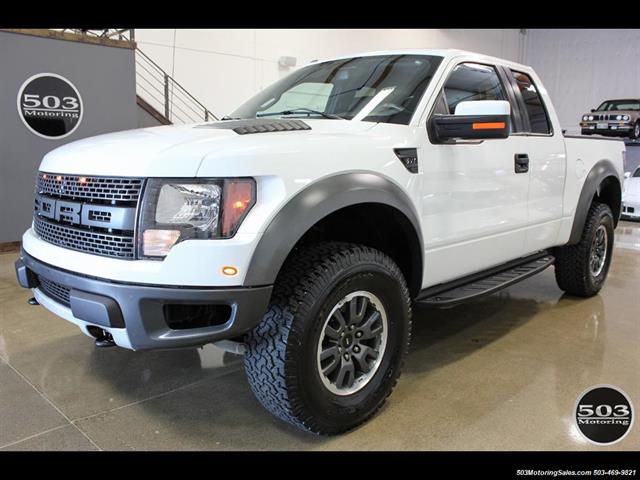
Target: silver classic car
x,y
614,118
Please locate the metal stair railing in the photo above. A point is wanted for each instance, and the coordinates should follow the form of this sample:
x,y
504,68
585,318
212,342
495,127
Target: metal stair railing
x,y
155,86
122,34
166,95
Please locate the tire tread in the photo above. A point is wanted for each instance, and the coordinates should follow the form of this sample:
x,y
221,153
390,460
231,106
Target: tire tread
x,y
571,264
303,278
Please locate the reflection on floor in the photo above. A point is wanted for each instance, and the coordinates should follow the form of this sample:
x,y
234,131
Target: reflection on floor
x,y
503,372
628,235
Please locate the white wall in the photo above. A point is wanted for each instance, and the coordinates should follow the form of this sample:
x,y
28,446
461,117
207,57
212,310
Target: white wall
x,y
222,68
581,68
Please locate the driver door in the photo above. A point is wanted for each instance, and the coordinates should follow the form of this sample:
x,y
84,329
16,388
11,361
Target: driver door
x,y
474,204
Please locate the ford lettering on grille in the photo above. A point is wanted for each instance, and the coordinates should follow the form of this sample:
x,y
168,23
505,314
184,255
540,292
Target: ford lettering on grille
x,y
86,214
94,215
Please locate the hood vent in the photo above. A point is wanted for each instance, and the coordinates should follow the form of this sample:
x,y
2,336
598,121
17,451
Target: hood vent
x,y
258,125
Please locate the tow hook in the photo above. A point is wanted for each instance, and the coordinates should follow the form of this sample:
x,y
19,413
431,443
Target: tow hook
x,y
105,340
33,301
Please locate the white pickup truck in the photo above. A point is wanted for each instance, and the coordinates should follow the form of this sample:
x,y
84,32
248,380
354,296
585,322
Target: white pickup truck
x,y
300,229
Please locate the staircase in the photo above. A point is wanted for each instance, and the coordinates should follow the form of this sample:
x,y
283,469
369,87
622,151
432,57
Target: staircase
x,y
157,92
165,99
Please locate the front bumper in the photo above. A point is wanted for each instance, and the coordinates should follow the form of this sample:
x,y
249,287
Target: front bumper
x,y
136,315
612,130
630,209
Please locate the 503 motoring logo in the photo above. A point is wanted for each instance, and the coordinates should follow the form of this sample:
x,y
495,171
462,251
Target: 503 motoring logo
x,y
50,105
604,414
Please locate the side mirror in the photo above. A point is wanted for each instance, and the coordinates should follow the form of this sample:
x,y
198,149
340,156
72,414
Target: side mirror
x,y
627,174
475,120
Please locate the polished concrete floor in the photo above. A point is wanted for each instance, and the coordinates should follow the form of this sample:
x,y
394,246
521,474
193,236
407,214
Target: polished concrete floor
x,y
503,372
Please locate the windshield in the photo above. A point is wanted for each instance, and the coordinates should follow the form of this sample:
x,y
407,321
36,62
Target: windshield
x,y
636,174
619,105
385,88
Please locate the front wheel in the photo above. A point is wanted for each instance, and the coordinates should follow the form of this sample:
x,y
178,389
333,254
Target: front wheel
x,y
635,133
329,350
581,269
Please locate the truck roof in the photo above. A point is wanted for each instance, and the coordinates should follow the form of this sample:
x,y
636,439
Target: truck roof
x,y
446,53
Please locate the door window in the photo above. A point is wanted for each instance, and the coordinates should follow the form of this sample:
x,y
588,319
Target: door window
x,y
538,119
472,81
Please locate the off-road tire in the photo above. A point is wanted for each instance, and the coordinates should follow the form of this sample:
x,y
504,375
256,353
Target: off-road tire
x,y
632,134
281,358
573,274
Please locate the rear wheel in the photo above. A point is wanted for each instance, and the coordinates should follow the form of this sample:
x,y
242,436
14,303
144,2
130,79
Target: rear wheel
x,y
581,269
330,348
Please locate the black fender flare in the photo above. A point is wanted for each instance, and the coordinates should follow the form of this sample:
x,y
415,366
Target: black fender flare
x,y
312,204
601,170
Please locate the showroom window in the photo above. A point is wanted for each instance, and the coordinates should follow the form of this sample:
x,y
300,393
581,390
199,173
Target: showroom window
x,y
536,112
472,81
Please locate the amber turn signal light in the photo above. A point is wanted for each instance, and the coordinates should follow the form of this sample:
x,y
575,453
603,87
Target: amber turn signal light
x,y
239,196
488,125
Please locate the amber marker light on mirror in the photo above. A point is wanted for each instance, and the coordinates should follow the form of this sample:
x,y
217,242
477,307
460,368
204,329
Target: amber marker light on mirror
x,y
157,243
488,125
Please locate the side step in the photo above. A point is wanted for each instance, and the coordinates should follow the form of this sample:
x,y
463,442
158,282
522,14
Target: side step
x,y
485,283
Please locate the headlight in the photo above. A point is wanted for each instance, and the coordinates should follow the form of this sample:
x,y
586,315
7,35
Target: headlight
x,y
585,118
183,209
625,117
618,117
590,117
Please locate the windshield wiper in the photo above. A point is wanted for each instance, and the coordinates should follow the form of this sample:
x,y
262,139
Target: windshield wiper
x,y
293,111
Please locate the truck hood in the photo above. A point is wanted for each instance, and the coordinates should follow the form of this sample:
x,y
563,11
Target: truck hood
x,y
178,151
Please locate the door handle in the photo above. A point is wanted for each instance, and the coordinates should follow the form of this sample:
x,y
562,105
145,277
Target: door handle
x,y
521,162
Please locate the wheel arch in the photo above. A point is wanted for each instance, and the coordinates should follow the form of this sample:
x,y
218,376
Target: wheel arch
x,y
318,204
603,184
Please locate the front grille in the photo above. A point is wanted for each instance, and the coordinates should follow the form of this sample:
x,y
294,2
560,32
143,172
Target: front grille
x,y
607,117
95,242
90,214
105,189
55,291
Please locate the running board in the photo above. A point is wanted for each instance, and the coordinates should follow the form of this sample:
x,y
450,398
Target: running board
x,y
485,283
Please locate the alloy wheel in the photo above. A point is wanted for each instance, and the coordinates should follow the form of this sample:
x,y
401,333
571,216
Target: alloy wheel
x,y
352,343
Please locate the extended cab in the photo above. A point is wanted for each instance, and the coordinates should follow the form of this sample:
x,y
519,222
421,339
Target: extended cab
x,y
301,229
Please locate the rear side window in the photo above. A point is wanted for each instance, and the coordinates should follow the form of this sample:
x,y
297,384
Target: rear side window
x,y
471,81
536,112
